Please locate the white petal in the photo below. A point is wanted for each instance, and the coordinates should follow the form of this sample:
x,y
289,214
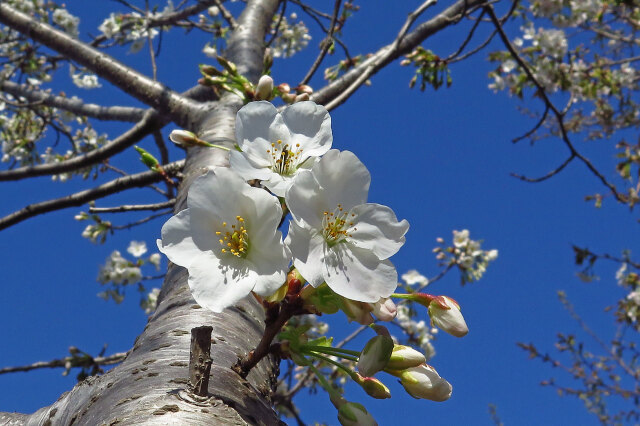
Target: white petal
x,y
245,168
310,126
358,274
207,191
278,184
306,200
344,177
376,228
219,283
259,121
176,242
307,251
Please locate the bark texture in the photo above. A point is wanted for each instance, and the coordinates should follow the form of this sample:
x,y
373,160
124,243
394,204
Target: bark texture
x,y
150,386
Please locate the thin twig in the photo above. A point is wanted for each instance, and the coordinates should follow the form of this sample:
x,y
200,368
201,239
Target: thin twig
x,y
152,54
141,221
549,175
325,44
559,115
391,50
226,15
134,207
75,361
79,198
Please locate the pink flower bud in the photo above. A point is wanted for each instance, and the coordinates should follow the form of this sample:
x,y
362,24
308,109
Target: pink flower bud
x,y
424,382
264,89
357,311
384,309
374,388
375,355
445,314
403,357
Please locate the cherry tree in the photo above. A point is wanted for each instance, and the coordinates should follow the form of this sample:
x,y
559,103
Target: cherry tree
x,y
259,152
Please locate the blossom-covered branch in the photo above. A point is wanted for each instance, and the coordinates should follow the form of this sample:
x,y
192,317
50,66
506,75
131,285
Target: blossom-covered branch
x,y
132,82
79,198
381,58
74,104
150,122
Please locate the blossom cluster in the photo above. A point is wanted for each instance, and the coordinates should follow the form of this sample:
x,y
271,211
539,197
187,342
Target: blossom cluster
x,y
132,27
467,255
335,236
119,272
290,38
335,256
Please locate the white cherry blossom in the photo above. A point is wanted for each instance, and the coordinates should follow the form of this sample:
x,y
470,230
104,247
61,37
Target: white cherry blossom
x,y
336,236
228,240
275,147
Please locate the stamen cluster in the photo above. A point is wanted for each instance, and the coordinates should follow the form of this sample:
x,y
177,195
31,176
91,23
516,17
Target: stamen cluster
x,y
236,240
283,159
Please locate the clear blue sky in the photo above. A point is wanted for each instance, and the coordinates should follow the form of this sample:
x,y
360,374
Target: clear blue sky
x,y
439,159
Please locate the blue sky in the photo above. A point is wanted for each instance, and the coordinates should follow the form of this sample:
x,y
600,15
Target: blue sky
x,y
440,159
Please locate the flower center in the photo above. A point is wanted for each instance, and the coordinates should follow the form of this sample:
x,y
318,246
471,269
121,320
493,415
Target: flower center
x,y
336,225
234,240
284,160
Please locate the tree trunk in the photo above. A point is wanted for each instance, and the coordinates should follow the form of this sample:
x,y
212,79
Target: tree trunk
x,y
150,386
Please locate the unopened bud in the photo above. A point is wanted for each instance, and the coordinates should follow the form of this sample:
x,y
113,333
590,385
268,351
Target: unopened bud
x,y
209,70
354,414
357,311
264,89
384,309
375,355
182,137
374,387
289,98
424,382
147,159
284,88
303,88
403,357
228,65
445,314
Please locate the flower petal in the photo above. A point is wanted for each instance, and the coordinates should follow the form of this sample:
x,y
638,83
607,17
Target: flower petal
x,y
306,200
310,126
259,121
344,177
376,228
248,169
307,251
176,242
217,283
358,274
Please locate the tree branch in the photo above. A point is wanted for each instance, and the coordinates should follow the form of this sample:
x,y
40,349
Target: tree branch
x,y
381,58
133,207
74,105
326,43
79,198
548,104
131,136
141,87
73,361
371,68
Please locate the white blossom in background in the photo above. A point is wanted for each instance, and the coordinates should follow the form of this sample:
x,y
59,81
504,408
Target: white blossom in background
x,y
228,240
155,259
276,147
413,277
419,332
336,237
210,51
291,38
83,79
119,270
137,248
136,32
150,303
66,21
467,254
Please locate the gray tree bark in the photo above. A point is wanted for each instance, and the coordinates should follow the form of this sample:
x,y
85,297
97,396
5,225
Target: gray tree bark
x,y
149,387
